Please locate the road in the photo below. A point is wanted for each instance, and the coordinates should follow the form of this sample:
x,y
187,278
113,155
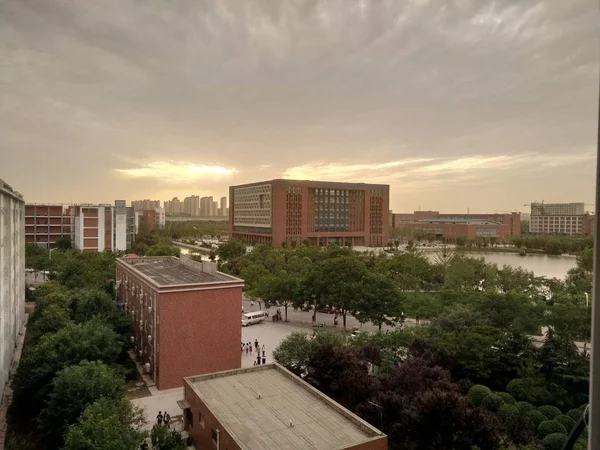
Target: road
x,y
304,318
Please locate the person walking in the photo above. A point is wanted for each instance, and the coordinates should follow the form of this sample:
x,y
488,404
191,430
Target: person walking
x,y
263,347
250,345
167,419
256,344
159,418
243,347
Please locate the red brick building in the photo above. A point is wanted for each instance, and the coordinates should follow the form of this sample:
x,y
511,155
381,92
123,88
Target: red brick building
x,y
268,407
287,211
450,226
45,225
186,316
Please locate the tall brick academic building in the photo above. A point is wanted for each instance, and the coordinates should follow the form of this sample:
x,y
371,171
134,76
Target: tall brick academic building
x,y
287,211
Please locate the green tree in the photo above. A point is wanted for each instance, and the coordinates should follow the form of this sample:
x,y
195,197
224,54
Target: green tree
x,y
163,249
73,390
293,353
91,341
165,438
380,302
107,425
51,319
231,250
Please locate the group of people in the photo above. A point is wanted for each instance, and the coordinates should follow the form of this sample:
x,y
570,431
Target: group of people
x,y
166,418
248,348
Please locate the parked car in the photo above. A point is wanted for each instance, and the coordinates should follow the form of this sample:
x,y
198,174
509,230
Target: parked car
x,y
327,309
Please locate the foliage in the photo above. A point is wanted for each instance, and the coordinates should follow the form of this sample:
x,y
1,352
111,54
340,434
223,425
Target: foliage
x,y
524,407
492,402
506,398
73,390
107,425
92,341
293,353
380,302
565,421
536,417
549,427
549,411
165,438
574,414
231,250
554,441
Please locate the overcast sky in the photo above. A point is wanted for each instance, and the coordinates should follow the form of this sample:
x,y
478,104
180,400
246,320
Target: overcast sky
x,y
453,103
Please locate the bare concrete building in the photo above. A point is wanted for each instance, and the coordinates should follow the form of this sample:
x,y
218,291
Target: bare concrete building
x,y
12,275
268,407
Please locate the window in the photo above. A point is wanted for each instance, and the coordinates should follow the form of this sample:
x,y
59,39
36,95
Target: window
x,y
189,417
214,434
200,419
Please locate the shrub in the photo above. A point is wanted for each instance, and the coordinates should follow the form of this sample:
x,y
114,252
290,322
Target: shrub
x,y
523,407
581,444
536,417
506,398
548,427
477,393
549,411
566,421
554,441
492,402
574,414
508,412
582,407
516,388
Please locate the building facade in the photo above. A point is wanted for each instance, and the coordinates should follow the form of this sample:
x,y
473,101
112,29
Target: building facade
x,y
151,218
45,225
186,316
288,212
12,275
268,407
191,205
500,227
561,218
89,227
141,205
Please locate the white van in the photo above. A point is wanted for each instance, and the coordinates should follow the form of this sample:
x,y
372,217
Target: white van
x,y
254,317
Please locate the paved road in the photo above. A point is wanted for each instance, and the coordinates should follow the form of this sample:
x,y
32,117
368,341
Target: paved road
x,y
304,318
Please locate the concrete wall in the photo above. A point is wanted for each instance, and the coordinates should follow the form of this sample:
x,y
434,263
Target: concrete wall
x,y
12,275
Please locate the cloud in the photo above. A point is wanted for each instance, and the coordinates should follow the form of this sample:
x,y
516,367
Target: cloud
x,y
177,172
429,171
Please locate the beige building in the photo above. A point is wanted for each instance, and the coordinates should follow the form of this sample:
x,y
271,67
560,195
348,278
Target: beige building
x,y
560,218
12,275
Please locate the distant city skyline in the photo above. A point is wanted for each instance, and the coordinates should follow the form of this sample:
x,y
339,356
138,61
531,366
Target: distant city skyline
x,y
455,105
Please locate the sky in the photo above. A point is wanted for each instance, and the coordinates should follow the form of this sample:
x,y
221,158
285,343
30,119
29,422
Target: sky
x,y
456,104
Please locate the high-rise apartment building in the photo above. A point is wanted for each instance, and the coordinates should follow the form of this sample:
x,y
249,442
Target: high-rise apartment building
x,y
141,205
88,226
279,212
151,218
560,218
191,205
186,316
223,206
206,206
174,206
12,275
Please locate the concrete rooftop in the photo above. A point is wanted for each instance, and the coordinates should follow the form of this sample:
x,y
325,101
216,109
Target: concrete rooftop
x,y
169,271
264,423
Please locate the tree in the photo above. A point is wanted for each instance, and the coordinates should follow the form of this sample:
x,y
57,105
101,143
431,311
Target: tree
x,y
51,319
163,249
165,438
338,282
280,289
380,301
107,425
73,390
89,303
293,353
91,341
231,250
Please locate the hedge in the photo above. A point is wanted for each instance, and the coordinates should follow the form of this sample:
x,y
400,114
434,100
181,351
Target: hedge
x,y
549,427
566,421
506,398
536,417
477,393
554,441
549,411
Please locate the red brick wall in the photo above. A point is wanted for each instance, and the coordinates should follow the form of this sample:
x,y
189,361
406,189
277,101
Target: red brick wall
x,y
199,333
202,435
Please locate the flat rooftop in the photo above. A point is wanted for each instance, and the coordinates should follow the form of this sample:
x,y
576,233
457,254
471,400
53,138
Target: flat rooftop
x,y
171,271
264,423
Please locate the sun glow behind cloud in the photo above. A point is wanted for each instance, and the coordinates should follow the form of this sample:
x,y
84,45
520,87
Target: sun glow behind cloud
x,y
177,172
